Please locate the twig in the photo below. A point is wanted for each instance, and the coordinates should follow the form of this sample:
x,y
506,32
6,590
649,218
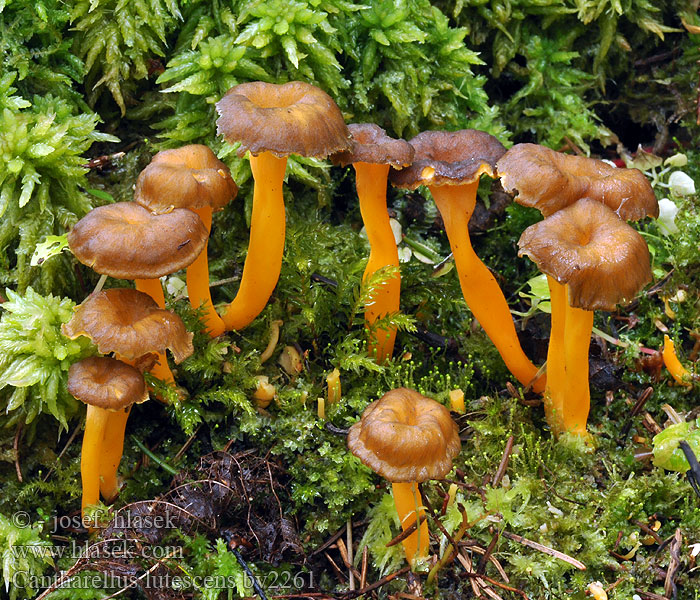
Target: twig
x,y
649,531
656,58
134,583
466,562
346,559
474,547
256,585
673,564
363,573
336,568
15,447
325,280
330,428
165,466
650,424
217,283
407,532
272,487
383,581
481,567
62,452
572,146
498,584
329,542
636,409
186,445
545,549
503,466
693,473
697,99
649,595
351,578
318,595
453,548
541,371
660,283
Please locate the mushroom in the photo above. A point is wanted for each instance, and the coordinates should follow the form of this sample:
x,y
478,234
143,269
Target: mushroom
x,y
109,387
598,261
272,121
406,438
372,154
189,177
130,324
127,241
450,164
550,180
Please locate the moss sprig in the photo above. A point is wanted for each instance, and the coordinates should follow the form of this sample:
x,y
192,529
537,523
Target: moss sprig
x,y
35,357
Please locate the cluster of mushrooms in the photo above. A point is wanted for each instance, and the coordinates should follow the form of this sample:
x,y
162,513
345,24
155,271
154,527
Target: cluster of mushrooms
x,y
593,260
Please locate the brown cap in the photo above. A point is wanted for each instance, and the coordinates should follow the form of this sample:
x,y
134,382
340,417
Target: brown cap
x,y
106,383
126,241
449,158
292,118
550,180
372,145
405,437
186,177
601,258
129,323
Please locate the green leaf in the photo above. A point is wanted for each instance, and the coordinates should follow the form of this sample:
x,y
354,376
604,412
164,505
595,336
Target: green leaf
x,y
51,246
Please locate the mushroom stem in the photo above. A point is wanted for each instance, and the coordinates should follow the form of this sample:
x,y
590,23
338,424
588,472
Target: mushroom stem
x,y
198,282
91,455
408,503
154,289
674,366
267,228
555,391
112,450
579,325
479,287
371,182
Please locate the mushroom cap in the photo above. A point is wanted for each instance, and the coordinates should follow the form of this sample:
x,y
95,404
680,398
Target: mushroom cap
x,y
603,260
449,158
550,180
186,177
126,241
106,383
292,118
372,145
129,323
405,437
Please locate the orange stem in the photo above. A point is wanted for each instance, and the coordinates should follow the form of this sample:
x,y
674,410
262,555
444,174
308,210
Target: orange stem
x,y
198,282
154,289
91,453
674,366
555,391
479,287
112,450
407,499
371,182
267,228
579,325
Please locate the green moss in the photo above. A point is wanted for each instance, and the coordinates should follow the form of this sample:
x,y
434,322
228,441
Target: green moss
x,y
551,71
